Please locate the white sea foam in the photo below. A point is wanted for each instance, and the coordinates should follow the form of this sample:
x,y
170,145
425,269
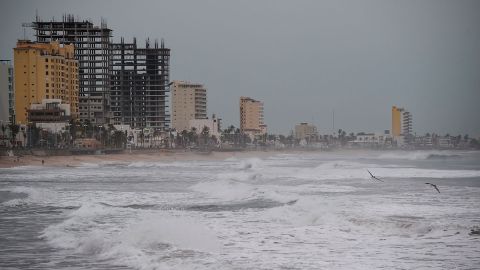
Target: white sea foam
x,y
251,163
422,155
226,190
145,241
309,211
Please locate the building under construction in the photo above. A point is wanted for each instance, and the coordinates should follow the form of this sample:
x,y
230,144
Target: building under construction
x,y
139,84
92,50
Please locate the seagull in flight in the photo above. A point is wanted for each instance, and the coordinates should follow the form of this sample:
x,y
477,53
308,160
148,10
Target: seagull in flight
x,y
374,177
433,185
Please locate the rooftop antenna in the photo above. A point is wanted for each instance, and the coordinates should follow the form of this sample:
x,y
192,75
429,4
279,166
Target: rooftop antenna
x,y
333,121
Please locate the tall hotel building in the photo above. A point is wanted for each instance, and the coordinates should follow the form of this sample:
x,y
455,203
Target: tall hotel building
x,y
7,98
92,50
251,117
139,85
189,102
401,122
44,71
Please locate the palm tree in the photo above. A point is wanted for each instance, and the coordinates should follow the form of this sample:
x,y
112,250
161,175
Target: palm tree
x,y
192,136
205,132
184,134
14,129
4,128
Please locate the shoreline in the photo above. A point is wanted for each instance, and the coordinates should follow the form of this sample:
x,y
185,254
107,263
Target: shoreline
x,y
135,156
146,155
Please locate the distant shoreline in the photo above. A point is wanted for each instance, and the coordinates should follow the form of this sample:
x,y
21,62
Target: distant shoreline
x,y
127,157
162,155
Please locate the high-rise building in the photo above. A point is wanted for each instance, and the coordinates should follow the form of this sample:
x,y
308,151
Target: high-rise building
x,y
401,122
92,50
44,71
7,98
139,85
189,102
305,131
251,117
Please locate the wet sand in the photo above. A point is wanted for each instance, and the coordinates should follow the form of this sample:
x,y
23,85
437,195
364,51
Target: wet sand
x,y
160,156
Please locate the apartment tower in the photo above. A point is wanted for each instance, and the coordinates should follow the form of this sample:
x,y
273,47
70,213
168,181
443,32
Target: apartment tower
x,y
139,85
189,102
7,102
401,122
44,71
92,50
251,117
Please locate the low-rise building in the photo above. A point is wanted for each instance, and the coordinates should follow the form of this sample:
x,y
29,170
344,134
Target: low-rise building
x,y
50,110
372,140
304,131
212,125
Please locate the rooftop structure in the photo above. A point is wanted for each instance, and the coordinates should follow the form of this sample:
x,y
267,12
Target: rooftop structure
x,y
50,110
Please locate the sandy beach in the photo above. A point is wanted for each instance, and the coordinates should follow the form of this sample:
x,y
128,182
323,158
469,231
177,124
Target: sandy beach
x,y
148,156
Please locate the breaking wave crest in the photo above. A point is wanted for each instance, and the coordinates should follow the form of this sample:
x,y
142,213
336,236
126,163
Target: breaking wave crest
x,y
423,155
148,240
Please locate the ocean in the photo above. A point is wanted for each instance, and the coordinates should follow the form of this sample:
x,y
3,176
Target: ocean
x,y
312,210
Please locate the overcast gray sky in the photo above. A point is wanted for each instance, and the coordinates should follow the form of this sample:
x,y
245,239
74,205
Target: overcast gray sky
x,y
305,58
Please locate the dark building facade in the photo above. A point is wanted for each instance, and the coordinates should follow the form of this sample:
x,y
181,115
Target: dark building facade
x,y
139,80
92,50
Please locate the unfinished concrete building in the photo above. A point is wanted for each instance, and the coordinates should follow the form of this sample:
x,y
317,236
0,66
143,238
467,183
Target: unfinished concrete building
x,y
139,85
92,50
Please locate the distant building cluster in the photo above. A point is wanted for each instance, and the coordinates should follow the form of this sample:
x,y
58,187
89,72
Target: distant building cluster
x,y
74,86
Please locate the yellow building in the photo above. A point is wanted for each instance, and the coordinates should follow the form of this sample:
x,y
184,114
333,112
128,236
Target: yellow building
x,y
401,122
44,71
251,117
396,118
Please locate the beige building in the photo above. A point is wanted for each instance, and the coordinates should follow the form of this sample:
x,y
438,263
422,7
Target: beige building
x,y
189,102
251,117
44,71
305,131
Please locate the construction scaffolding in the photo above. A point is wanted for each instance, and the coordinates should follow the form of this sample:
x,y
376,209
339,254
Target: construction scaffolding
x,y
92,50
140,85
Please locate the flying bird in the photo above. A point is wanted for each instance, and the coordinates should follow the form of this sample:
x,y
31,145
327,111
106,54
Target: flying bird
x,y
374,177
433,185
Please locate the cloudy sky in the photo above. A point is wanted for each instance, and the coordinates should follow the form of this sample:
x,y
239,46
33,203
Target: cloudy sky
x,y
304,59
